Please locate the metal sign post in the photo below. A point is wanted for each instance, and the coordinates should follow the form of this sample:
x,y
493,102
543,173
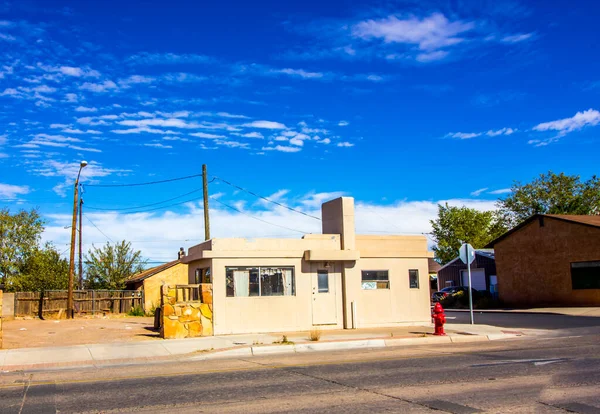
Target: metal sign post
x,y
467,255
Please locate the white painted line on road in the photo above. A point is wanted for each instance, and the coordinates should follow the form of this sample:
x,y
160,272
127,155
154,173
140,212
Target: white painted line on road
x,y
523,361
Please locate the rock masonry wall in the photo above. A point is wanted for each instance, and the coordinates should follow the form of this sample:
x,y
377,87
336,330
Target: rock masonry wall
x,y
185,318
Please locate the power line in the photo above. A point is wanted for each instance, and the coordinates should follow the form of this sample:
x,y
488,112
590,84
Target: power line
x,y
167,206
266,199
256,218
146,205
88,219
146,183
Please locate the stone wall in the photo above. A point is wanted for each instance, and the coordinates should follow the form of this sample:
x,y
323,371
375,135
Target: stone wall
x,y
186,311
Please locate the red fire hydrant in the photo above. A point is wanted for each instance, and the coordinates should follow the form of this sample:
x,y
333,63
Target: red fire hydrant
x,y
439,319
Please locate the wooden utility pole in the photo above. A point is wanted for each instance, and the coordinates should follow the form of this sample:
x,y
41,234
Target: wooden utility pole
x,y
205,197
80,239
70,312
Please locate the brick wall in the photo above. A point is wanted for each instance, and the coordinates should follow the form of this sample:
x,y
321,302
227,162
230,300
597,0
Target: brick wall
x,y
534,264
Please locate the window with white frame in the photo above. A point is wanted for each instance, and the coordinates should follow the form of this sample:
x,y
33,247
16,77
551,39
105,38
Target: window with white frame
x,y
375,279
259,281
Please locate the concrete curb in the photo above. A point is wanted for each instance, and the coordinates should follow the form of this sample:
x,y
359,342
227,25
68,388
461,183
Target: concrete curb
x,y
517,312
94,355
257,350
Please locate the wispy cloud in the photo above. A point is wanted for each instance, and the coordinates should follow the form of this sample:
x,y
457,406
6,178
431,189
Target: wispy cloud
x,y
11,191
490,133
205,135
501,191
105,86
345,144
580,120
477,193
85,109
282,148
516,38
265,125
343,123
145,58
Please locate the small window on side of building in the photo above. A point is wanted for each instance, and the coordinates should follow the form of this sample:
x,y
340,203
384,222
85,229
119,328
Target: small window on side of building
x,y
375,279
413,278
585,275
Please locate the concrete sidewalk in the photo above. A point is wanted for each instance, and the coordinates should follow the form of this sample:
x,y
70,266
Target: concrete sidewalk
x,y
583,311
242,345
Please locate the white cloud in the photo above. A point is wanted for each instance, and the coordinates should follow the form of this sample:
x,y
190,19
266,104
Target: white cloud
x,y
345,144
105,86
135,79
477,193
71,97
232,144
591,117
343,123
160,234
463,135
431,56
324,141
503,131
7,37
265,125
254,134
301,73
282,148
10,191
145,58
85,109
501,191
429,33
139,130
205,135
234,116
158,145
297,142
516,38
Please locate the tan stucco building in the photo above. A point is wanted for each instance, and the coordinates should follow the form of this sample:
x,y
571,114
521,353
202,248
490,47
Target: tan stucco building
x,y
150,281
333,280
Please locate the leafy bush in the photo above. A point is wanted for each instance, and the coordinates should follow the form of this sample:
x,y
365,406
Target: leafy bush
x,y
152,310
136,311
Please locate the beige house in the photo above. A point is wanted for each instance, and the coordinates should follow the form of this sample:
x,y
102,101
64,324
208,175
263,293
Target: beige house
x,y
150,281
333,280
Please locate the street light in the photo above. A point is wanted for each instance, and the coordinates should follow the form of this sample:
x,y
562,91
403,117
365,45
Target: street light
x,y
70,313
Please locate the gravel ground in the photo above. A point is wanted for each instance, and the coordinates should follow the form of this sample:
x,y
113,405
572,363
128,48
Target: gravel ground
x,y
33,333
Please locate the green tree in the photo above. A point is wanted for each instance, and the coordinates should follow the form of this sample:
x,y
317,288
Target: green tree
x,y
19,236
550,194
43,269
109,266
454,225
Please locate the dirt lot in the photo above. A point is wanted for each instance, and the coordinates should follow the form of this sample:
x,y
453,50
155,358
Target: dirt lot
x,y
37,333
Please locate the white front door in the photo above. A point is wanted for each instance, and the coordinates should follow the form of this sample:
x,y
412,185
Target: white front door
x,y
477,279
324,310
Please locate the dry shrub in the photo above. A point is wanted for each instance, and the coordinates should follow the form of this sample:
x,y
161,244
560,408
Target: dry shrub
x,y
315,335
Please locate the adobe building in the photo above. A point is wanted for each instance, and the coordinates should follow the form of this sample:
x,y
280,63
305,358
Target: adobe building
x,y
550,260
151,280
333,280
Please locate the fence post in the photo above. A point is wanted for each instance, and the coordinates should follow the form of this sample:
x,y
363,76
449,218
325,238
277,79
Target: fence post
x,y
93,302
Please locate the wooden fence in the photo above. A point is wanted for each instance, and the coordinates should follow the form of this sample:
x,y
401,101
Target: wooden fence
x,y
84,301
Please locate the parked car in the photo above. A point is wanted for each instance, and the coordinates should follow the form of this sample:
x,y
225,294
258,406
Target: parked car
x,y
437,296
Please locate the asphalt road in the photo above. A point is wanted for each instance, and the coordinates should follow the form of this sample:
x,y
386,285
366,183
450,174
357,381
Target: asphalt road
x,y
524,320
542,375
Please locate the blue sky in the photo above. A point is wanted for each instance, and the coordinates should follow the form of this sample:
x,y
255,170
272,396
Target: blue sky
x,y
399,104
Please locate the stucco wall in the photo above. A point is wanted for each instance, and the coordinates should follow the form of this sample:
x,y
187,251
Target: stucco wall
x,y
8,306
267,313
534,264
398,305
175,275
